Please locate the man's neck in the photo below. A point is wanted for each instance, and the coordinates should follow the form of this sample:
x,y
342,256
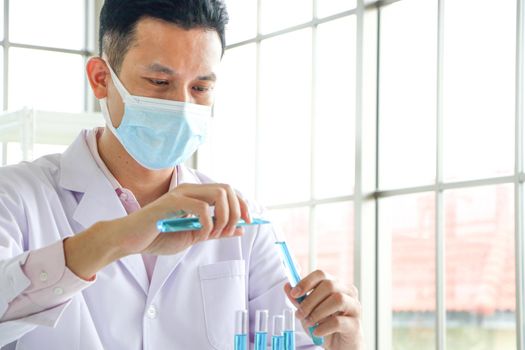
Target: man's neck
x,y
147,185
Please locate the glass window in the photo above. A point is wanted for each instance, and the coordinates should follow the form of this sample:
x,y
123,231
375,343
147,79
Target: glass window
x,y
278,14
37,22
243,20
478,90
46,80
409,223
228,154
294,225
334,232
40,150
407,97
2,19
331,7
13,152
1,77
335,109
284,163
480,268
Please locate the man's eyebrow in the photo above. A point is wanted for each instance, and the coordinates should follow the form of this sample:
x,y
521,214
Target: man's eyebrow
x,y
159,68
209,77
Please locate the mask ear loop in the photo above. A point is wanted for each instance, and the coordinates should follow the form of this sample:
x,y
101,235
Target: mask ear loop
x,y
123,92
104,101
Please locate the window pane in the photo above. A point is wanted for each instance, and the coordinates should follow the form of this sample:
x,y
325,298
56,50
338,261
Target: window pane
x,y
229,152
409,222
335,109
478,92
46,80
284,164
407,98
40,150
330,7
54,23
480,269
2,19
1,78
334,226
294,224
278,14
14,154
243,20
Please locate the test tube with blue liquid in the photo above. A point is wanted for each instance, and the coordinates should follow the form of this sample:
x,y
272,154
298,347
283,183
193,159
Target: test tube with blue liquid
x,y
289,329
294,279
178,224
277,334
261,329
241,330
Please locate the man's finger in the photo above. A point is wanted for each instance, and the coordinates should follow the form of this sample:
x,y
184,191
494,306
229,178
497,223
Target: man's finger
x,y
308,283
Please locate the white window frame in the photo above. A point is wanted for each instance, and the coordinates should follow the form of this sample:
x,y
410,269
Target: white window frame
x,y
372,271
90,40
384,314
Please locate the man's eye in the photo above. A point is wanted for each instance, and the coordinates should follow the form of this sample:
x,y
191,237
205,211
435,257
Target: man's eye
x,y
158,82
201,88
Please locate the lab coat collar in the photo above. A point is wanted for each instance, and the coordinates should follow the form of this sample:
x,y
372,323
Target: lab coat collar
x,y
80,173
166,264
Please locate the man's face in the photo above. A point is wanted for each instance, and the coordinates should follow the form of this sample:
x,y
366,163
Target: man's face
x,y
168,62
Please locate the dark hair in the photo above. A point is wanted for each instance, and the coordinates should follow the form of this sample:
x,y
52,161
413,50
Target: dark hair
x,y
119,18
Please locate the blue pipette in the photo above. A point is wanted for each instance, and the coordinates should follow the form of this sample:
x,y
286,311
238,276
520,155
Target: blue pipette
x,y
192,224
294,279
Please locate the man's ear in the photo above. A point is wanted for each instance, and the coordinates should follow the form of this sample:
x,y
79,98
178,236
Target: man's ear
x,y
98,73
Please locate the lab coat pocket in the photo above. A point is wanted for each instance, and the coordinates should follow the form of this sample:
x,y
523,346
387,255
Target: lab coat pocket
x,y
223,292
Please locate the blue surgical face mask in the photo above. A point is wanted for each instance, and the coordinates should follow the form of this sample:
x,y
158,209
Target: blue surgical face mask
x,y
158,133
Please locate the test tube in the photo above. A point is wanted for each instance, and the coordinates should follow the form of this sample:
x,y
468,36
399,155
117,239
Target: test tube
x,y
294,279
277,335
261,329
289,329
241,330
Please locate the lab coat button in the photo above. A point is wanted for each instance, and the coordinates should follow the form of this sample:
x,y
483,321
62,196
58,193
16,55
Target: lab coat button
x,y
58,291
152,312
43,276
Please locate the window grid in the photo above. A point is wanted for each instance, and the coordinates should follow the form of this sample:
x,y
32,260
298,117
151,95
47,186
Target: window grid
x,y
440,186
85,53
313,202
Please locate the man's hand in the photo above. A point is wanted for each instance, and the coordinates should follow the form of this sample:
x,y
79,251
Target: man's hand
x,y
89,251
335,308
139,232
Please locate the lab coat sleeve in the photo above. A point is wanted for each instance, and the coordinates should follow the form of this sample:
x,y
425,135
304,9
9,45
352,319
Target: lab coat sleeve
x,y
267,278
51,284
14,282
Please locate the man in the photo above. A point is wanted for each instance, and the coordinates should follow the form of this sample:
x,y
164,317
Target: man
x,y
82,265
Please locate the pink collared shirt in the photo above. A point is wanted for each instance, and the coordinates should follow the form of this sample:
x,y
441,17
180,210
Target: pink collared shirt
x,y
51,282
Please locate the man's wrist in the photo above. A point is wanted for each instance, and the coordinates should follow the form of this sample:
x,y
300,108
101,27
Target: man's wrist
x,y
89,251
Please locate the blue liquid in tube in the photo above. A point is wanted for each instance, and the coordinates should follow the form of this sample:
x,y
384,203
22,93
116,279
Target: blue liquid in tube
x,y
261,329
289,329
294,279
240,341
260,340
277,333
277,342
241,330
178,224
289,340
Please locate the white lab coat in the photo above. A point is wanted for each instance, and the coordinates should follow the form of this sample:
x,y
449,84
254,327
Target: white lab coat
x,y
193,295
